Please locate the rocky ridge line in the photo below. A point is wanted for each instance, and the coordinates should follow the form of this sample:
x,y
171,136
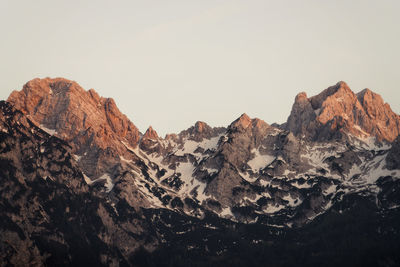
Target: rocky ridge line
x,y
338,111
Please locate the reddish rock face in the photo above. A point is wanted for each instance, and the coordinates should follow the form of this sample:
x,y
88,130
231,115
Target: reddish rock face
x,y
150,142
339,110
244,122
64,106
201,127
92,124
150,134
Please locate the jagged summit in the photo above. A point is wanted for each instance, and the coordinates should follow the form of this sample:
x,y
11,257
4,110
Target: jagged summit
x,y
150,141
150,134
52,86
368,98
301,97
198,132
338,110
94,125
361,94
201,126
244,122
340,89
64,106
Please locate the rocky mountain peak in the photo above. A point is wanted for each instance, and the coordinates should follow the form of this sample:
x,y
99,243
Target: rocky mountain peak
x,y
258,124
150,134
302,96
198,132
338,92
242,122
338,110
56,85
201,126
362,93
150,141
91,123
372,103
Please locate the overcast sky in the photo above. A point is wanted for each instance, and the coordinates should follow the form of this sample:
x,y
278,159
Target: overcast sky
x,y
169,63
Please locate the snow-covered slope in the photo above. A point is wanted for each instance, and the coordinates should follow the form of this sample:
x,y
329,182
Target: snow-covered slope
x,y
278,175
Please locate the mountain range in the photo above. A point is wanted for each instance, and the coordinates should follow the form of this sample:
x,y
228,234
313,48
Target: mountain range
x,y
80,184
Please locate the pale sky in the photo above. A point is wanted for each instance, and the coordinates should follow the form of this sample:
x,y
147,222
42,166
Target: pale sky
x,y
170,63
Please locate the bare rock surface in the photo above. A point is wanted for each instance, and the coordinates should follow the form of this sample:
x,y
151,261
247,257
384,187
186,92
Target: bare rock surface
x,y
338,110
93,125
49,215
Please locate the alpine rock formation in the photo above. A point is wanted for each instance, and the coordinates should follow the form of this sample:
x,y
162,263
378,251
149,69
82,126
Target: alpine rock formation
x,y
81,185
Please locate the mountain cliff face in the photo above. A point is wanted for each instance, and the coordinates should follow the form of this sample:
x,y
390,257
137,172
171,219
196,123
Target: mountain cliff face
x,y
50,215
337,111
93,125
338,152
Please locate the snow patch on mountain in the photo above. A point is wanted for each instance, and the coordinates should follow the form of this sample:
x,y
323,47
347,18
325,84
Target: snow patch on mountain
x,y
191,184
259,160
190,146
247,177
226,213
47,130
273,208
108,183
